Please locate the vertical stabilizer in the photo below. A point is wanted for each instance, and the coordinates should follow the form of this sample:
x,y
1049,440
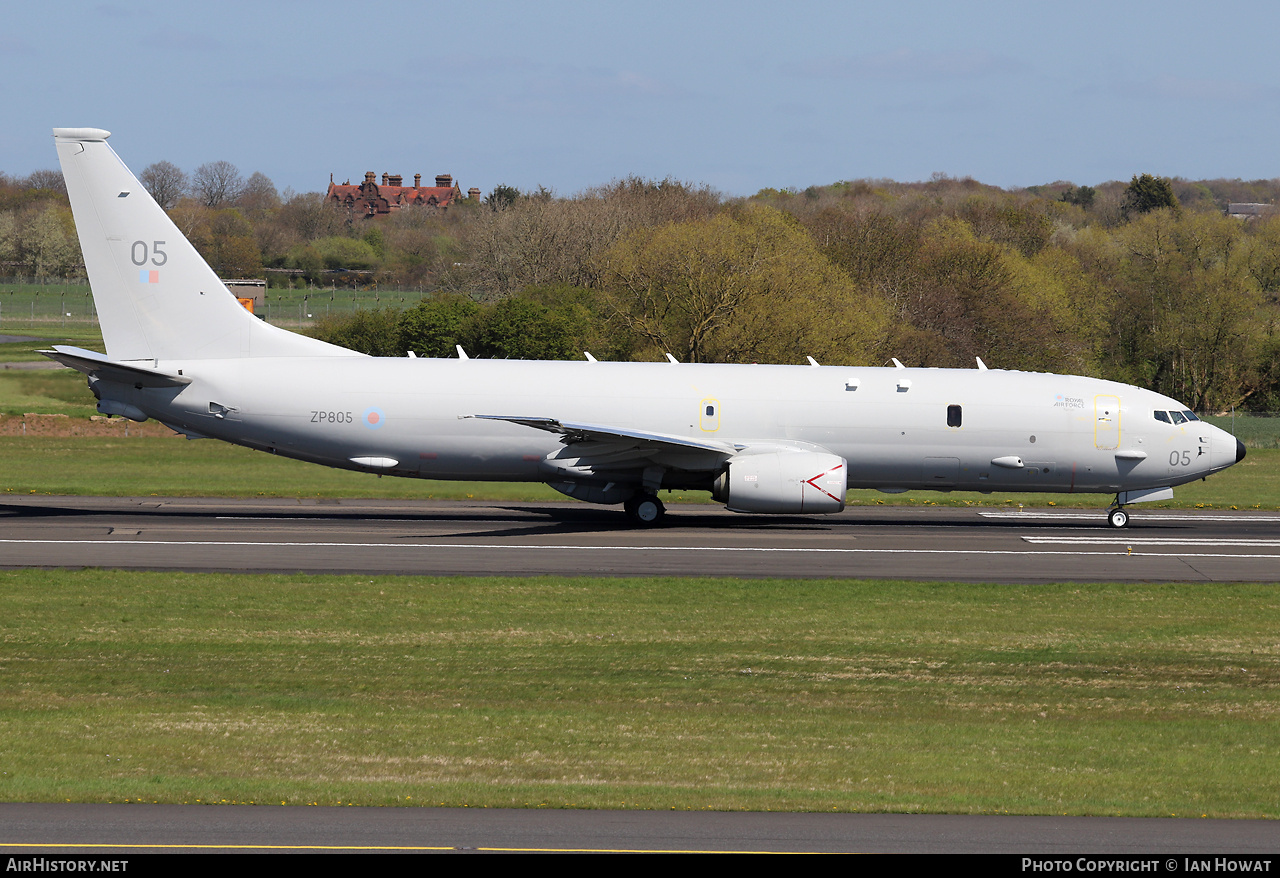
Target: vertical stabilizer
x,y
156,296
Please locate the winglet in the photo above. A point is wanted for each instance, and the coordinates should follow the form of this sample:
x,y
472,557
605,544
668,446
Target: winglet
x,y
981,365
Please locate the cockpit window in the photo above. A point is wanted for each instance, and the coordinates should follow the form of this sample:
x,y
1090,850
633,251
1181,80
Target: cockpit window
x,y
1178,417
1191,416
1162,416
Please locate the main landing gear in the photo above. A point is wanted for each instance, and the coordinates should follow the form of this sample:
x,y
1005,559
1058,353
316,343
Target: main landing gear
x,y
1117,517
644,509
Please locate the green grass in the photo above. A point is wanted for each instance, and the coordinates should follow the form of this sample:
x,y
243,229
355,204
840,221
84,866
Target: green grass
x,y
169,466
33,309
45,391
1254,483
84,335
142,466
289,307
45,302
149,465
1254,430
1147,700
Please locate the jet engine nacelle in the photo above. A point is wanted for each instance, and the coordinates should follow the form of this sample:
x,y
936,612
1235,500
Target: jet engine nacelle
x,y
784,481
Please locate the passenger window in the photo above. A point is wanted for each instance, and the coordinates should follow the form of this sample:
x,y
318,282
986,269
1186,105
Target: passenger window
x,y
953,416
711,411
1162,416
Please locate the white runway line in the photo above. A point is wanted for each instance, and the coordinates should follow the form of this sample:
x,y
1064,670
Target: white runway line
x,y
490,547
1154,515
1151,541
319,517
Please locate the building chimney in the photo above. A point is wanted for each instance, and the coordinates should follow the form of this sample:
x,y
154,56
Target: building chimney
x,y
417,181
368,178
384,178
473,193
445,180
397,180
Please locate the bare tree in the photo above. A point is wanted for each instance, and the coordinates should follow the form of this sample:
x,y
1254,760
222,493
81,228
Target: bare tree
x,y
259,193
537,239
217,182
49,179
166,182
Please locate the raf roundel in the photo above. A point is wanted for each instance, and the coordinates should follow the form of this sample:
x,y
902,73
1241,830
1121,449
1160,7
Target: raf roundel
x,y
373,418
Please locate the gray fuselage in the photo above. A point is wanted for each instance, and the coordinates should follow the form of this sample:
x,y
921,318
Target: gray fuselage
x,y
944,429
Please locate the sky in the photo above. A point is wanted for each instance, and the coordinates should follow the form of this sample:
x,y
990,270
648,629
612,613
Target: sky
x,y
738,96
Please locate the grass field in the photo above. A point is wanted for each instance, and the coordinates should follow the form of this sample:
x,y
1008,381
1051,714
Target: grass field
x,y
1151,700
146,464
170,466
1144,700
30,308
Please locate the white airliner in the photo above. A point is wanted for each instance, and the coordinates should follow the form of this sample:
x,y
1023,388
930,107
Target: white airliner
x,y
771,439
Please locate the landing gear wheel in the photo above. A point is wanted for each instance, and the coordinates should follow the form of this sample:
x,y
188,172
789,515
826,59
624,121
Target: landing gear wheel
x,y
1117,517
644,509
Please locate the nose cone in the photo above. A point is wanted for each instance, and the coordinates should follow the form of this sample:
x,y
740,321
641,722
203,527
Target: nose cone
x,y
1227,450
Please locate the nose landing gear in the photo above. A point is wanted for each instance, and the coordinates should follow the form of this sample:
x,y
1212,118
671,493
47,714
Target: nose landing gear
x,y
1117,517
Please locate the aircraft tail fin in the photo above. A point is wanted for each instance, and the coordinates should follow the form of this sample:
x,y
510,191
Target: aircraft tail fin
x,y
157,299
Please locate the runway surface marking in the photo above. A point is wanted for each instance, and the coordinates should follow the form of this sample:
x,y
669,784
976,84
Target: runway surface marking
x,y
1155,516
1076,516
381,847
232,847
571,548
1153,541
319,517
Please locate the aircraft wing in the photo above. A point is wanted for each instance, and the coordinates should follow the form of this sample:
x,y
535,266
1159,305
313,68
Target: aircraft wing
x,y
101,366
639,442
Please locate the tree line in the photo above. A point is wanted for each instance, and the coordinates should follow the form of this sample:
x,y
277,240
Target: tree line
x,y
1147,282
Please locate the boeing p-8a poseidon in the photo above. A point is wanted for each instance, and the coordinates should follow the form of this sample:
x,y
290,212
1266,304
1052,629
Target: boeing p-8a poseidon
x,y
770,439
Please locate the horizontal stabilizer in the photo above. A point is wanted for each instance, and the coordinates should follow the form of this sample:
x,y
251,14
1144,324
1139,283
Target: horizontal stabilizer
x,y
100,366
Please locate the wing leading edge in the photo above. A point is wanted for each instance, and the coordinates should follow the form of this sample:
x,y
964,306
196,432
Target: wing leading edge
x,y
573,433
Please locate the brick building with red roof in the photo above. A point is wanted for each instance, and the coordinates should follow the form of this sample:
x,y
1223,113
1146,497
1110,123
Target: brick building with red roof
x,y
369,199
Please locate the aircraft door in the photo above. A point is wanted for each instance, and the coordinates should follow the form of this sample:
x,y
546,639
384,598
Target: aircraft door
x,y
1106,429
941,472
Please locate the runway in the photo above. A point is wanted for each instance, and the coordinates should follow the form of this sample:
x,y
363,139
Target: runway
x,y
570,539
119,831
491,538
